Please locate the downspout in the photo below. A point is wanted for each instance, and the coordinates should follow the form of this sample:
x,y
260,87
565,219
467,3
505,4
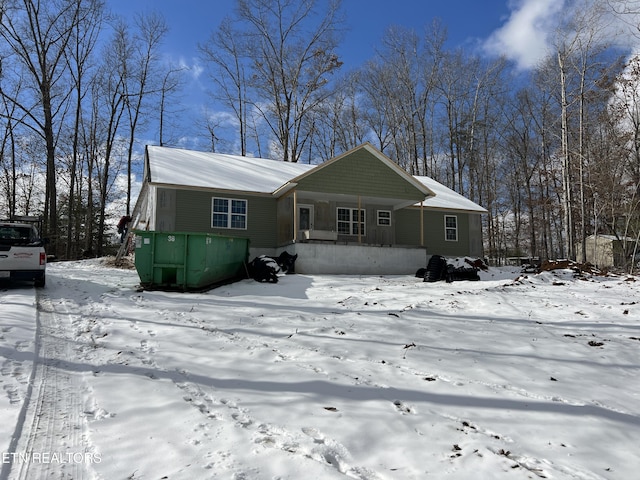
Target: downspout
x,y
295,216
422,223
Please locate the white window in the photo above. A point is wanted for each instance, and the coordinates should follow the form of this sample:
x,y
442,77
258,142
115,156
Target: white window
x,y
384,218
349,223
451,228
229,213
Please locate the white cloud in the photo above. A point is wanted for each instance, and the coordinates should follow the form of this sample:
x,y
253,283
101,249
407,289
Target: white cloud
x,y
524,37
190,66
196,69
223,119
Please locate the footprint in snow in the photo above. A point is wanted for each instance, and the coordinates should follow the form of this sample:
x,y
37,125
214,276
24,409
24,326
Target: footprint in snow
x,y
147,347
4,330
329,451
15,369
22,345
138,300
13,394
314,433
242,419
403,408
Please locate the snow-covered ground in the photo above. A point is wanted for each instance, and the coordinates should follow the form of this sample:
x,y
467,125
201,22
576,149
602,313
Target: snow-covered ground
x,y
321,377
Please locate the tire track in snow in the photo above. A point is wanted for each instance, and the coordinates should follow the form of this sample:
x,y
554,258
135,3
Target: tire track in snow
x,y
50,439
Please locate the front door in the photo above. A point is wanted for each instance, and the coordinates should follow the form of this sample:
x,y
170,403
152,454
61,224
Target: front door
x,y
305,217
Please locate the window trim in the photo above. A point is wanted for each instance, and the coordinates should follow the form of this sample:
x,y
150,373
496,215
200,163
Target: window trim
x,y
384,219
230,214
448,228
351,222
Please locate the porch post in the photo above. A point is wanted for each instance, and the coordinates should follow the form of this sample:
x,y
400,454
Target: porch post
x,y
422,223
295,216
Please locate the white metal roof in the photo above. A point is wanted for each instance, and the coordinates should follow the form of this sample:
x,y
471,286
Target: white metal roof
x,y
447,199
190,168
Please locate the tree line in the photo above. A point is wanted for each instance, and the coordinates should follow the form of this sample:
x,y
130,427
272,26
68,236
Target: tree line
x,y
76,86
553,153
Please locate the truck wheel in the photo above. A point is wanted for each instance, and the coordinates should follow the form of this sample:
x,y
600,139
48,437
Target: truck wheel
x,y
40,281
436,269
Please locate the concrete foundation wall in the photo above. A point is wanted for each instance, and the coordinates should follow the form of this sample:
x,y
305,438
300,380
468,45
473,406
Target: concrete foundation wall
x,y
335,259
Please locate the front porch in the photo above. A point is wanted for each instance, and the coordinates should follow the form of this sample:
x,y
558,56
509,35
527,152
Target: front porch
x,y
354,259
344,234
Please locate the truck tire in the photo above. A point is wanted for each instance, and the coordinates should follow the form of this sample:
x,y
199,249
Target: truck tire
x,y
436,269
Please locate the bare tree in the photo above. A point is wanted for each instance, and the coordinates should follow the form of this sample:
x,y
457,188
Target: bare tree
x,y
38,34
579,42
228,54
401,56
409,86
524,157
627,109
292,56
377,111
211,126
338,124
457,96
78,57
172,81
8,146
140,70
109,107
628,11
622,201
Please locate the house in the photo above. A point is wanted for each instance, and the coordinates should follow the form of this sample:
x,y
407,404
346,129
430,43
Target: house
x,y
606,251
358,213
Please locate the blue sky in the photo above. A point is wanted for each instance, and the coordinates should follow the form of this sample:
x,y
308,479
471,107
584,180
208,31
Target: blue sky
x,y
517,29
513,27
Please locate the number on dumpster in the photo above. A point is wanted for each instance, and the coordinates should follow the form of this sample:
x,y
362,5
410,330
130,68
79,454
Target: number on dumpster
x,y
171,238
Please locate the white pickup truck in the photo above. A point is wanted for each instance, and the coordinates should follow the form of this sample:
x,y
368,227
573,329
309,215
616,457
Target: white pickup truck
x,y
22,253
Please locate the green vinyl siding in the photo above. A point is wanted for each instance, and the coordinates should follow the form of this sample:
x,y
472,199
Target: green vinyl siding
x,y
195,216
407,221
165,210
360,173
407,225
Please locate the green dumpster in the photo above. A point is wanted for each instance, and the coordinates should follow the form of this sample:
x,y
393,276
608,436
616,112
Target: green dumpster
x,y
188,260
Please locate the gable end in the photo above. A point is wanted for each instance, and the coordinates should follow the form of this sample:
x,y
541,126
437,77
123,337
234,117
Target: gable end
x,y
360,172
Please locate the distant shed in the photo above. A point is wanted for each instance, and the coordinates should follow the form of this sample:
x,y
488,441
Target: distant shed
x,y
607,250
